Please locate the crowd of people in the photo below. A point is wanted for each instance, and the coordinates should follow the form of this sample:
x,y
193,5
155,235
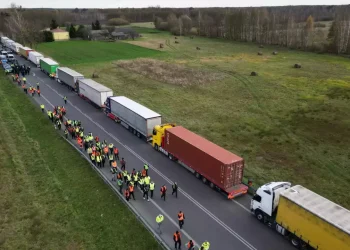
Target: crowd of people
x,y
102,153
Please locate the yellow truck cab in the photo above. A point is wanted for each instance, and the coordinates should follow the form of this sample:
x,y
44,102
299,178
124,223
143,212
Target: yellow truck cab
x,y
158,135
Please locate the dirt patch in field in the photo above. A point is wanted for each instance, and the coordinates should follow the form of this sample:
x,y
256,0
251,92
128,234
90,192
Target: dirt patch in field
x,y
170,73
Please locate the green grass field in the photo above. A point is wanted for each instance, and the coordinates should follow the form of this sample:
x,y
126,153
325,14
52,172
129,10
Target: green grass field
x,y
68,53
288,124
50,196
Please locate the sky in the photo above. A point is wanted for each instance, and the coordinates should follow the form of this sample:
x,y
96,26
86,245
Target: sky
x,y
162,3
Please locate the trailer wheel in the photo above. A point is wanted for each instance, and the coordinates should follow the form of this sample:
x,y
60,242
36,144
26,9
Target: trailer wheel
x,y
138,135
204,180
211,185
295,241
156,147
135,132
197,175
171,157
259,216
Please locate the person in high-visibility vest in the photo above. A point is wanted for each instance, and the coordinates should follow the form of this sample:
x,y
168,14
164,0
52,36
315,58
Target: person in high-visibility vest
x,y
159,220
42,106
151,188
116,153
177,239
190,245
181,217
146,168
206,245
131,189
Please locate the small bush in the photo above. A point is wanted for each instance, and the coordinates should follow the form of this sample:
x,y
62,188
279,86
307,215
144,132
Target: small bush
x,y
297,66
118,21
254,73
177,42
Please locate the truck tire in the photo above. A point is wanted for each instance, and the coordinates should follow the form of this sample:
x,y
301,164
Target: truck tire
x,y
156,147
138,135
197,175
259,215
171,157
211,185
295,241
204,180
134,131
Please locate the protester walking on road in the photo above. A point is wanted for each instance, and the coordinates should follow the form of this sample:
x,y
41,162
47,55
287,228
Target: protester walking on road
x,y
181,217
146,168
123,163
131,189
163,192
190,245
151,188
159,220
174,186
145,192
42,106
120,185
127,194
206,245
65,99
116,153
177,240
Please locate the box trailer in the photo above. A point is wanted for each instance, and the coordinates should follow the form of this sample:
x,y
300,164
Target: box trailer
x,y
15,47
135,117
8,43
94,91
3,39
35,57
48,65
24,51
307,219
68,76
215,165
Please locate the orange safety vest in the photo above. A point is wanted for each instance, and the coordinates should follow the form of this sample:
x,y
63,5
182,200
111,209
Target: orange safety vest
x,y
144,173
105,150
177,237
131,188
190,244
119,176
114,164
38,91
96,138
115,150
163,189
181,216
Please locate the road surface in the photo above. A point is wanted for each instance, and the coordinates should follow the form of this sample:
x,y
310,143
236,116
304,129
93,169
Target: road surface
x,y
209,215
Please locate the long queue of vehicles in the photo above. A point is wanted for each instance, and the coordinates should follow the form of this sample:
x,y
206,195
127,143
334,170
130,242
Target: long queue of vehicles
x,y
307,219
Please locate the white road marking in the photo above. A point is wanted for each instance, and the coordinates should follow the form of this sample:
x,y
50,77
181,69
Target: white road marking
x,y
221,223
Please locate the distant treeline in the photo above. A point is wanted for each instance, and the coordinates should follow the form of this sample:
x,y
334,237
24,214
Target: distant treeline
x,y
314,28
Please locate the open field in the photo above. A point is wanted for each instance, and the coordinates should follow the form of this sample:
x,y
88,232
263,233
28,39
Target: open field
x,y
68,53
50,197
289,124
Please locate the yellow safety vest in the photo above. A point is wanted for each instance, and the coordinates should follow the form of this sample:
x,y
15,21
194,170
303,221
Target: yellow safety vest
x,y
151,186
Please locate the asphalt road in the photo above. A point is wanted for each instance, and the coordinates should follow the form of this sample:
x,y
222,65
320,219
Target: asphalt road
x,y
209,215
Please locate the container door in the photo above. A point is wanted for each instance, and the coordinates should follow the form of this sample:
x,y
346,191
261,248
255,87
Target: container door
x,y
234,174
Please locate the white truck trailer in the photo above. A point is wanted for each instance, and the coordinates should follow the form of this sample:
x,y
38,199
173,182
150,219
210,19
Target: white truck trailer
x,y
15,47
3,39
136,118
35,57
68,77
93,91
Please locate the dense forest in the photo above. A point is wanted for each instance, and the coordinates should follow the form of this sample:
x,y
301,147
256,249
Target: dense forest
x,y
313,28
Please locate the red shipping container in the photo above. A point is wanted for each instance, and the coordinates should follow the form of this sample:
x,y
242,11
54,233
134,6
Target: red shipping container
x,y
219,166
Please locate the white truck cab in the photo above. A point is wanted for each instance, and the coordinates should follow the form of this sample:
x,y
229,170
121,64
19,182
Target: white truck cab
x,y
265,201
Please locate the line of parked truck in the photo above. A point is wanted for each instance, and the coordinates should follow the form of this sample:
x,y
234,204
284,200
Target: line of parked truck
x,y
307,219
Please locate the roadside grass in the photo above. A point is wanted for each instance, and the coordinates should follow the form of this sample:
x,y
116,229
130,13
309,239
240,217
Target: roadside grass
x,y
288,124
76,52
50,197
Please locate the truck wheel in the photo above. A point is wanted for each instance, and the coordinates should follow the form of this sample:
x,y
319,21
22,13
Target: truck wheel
x,y
211,185
156,147
138,135
259,216
171,157
135,132
204,180
295,241
197,175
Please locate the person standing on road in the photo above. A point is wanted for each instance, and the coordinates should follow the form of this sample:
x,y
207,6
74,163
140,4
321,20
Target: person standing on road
x,y
146,168
151,188
111,148
123,163
206,245
38,91
66,133
116,153
163,192
131,189
174,186
37,86
42,106
177,239
127,194
65,99
145,192
110,158
120,185
181,217
190,245
159,220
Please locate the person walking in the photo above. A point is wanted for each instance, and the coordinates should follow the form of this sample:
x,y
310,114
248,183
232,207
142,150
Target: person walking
x,y
92,157
65,99
163,192
206,245
110,146
42,106
38,91
181,217
127,194
66,133
151,188
175,187
131,189
177,240
120,185
146,168
111,159
123,163
116,153
190,245
159,220
145,193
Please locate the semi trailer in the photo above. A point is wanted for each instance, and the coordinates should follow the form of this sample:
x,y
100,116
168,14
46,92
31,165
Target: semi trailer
x,y
24,51
214,165
15,47
48,66
68,76
35,57
3,39
307,219
94,92
136,118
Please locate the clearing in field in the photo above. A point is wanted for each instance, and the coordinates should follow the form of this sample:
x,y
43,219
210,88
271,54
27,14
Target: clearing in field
x,y
50,196
288,124
76,52
170,73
